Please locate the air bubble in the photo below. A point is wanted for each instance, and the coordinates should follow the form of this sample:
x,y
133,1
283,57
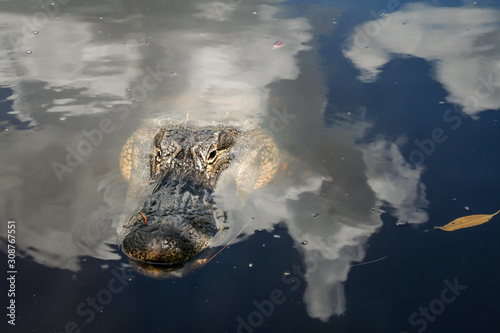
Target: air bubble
x,y
29,52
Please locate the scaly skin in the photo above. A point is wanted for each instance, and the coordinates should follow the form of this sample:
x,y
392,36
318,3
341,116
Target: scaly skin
x,y
173,170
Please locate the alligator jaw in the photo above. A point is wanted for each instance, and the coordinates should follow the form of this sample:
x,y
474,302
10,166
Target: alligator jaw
x,y
175,224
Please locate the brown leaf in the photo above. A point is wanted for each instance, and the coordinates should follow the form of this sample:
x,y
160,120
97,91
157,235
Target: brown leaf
x,y
467,222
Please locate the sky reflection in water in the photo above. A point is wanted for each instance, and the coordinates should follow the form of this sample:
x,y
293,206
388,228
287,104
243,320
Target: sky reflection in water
x,y
192,61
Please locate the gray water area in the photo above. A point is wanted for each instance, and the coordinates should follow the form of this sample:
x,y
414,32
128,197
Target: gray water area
x,y
384,112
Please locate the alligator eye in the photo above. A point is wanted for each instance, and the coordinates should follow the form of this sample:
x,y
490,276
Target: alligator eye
x,y
212,156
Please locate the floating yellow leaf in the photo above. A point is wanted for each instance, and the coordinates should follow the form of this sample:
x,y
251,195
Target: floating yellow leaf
x,y
467,222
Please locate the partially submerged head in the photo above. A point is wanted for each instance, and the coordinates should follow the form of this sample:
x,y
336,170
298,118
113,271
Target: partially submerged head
x,y
179,217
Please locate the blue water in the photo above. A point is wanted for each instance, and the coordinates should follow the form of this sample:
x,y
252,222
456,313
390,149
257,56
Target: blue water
x,y
386,111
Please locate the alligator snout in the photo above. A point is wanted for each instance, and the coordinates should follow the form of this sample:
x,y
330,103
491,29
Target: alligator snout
x,y
172,240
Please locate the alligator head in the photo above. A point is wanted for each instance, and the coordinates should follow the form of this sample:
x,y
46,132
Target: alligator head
x,y
179,216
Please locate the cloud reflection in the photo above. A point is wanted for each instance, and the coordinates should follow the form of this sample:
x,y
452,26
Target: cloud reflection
x,y
63,67
461,43
224,70
395,181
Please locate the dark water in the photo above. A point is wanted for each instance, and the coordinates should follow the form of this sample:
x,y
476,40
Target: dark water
x,y
385,111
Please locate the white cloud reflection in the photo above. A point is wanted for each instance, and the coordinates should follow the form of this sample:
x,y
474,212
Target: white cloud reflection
x,y
64,67
228,64
225,68
461,43
395,181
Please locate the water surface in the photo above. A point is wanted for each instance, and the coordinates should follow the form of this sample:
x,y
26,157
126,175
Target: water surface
x,y
383,111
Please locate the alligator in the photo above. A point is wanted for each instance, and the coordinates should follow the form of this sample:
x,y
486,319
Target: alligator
x,y
173,171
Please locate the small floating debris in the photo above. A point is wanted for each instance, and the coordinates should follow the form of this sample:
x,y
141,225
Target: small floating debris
x,y
276,236
304,243
401,223
315,215
466,208
277,45
29,52
250,265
